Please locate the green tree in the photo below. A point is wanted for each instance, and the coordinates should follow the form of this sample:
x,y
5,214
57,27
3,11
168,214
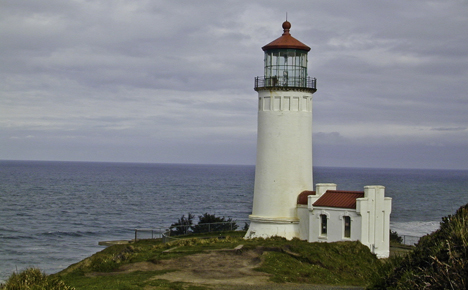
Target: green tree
x,y
394,237
211,223
182,226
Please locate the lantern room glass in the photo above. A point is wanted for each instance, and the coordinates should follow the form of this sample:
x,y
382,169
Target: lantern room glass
x,y
286,68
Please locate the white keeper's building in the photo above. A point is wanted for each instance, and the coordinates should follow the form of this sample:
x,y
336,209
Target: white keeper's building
x,y
285,203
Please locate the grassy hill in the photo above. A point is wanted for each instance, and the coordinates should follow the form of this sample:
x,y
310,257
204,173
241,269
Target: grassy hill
x,y
230,259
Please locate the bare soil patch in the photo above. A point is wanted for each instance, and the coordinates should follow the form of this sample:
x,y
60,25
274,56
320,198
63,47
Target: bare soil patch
x,y
218,269
211,268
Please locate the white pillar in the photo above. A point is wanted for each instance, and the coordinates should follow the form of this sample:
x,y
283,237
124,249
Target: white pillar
x,y
375,210
321,188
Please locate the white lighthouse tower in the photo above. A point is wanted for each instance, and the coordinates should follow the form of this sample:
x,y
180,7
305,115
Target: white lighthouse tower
x,y
284,138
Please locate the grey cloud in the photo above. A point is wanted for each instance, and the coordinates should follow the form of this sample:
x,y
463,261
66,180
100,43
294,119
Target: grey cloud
x,y
124,78
449,129
328,138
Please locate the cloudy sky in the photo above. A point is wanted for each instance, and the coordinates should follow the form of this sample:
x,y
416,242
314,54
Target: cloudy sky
x,y
172,81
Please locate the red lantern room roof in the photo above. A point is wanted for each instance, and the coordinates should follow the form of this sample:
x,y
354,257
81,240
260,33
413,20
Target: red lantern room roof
x,y
286,41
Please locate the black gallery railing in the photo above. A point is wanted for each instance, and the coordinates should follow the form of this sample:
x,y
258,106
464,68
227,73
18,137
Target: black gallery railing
x,y
292,82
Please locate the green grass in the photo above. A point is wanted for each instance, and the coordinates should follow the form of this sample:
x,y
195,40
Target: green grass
x,y
341,263
129,281
113,257
34,279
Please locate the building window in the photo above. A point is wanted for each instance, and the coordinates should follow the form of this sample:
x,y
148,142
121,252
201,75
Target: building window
x,y
347,226
323,224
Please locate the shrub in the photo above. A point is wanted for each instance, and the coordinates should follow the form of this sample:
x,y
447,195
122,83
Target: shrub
x,y
34,279
394,237
438,261
211,223
182,226
206,223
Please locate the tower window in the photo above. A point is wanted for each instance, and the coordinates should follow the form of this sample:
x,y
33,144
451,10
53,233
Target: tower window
x,y
347,226
286,67
323,224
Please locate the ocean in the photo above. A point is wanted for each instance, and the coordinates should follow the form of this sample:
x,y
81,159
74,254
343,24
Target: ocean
x,y
53,214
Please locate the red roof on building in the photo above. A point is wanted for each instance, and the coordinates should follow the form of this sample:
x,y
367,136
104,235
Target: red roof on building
x,y
339,198
303,196
286,41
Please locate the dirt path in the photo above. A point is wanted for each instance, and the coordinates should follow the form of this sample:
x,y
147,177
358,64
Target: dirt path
x,y
229,270
211,268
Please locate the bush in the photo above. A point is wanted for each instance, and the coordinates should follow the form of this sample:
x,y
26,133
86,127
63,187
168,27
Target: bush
x,y
211,223
182,226
206,223
34,279
394,237
438,261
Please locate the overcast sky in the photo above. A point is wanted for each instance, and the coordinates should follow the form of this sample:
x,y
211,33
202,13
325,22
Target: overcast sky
x,y
172,81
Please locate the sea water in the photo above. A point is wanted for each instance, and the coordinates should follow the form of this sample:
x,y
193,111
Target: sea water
x,y
53,214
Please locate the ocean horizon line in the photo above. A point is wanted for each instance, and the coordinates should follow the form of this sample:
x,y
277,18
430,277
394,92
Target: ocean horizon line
x,y
224,164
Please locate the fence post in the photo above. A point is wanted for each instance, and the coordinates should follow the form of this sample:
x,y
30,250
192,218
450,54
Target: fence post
x,y
136,233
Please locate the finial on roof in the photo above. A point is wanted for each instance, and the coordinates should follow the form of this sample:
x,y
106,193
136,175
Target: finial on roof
x,y
286,27
286,41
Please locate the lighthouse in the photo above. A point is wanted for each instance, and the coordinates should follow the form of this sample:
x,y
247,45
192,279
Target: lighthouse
x,y
284,138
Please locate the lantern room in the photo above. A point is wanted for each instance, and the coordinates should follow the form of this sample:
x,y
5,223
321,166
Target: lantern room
x,y
285,64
